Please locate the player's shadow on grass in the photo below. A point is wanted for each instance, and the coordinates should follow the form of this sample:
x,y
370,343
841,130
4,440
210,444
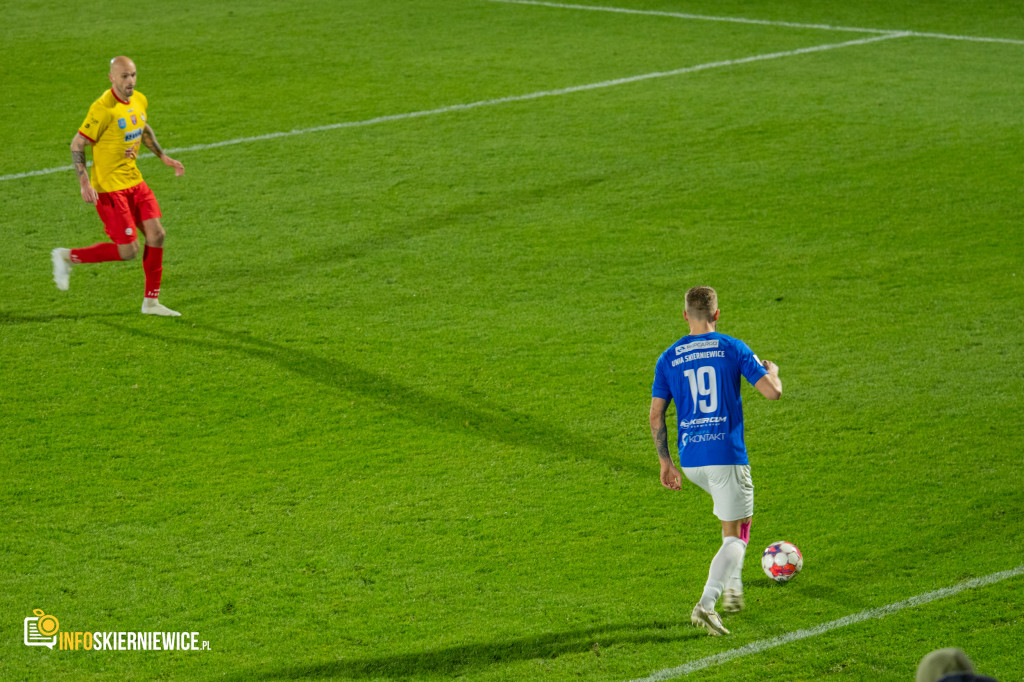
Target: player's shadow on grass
x,y
337,246
450,662
469,213
15,318
485,419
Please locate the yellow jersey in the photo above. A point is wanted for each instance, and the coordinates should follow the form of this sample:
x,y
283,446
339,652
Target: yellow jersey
x,y
114,127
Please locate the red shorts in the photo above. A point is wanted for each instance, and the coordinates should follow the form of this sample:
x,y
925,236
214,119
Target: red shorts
x,y
123,211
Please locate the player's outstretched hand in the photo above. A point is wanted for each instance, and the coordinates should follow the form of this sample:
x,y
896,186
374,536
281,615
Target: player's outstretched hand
x,y
179,169
671,478
770,366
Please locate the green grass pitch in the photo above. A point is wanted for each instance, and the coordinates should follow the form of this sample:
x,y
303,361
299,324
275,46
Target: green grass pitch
x,y
400,430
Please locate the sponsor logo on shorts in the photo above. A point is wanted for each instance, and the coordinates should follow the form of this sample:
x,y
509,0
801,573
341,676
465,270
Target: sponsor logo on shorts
x,y
128,231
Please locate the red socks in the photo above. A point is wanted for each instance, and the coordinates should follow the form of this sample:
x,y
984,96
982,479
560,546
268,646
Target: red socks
x,y
97,253
152,262
153,265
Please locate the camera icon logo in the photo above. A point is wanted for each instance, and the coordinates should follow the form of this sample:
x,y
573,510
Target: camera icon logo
x,y
41,629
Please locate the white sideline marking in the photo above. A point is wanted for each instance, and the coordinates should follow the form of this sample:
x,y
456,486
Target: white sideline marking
x,y
972,39
697,17
493,102
883,34
765,644
759,22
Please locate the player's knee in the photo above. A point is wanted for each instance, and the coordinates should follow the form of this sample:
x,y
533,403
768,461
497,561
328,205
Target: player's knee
x,y
154,234
128,251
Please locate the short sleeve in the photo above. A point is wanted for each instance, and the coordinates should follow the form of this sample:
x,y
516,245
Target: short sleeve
x,y
750,364
661,388
95,122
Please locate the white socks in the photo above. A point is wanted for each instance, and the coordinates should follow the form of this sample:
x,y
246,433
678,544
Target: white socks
x,y
735,581
725,567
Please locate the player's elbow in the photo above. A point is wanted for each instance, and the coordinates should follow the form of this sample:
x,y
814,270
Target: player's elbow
x,y
657,420
769,386
658,407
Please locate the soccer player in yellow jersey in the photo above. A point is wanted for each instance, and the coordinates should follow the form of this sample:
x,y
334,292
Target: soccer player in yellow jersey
x,y
115,126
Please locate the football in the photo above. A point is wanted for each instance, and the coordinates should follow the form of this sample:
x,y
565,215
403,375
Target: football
x,y
781,561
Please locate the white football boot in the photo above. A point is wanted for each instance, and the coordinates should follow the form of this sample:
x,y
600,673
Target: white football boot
x,y
732,601
709,620
151,306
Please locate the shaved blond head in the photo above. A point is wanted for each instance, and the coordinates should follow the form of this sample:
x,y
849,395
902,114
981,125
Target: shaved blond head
x,y
118,64
122,77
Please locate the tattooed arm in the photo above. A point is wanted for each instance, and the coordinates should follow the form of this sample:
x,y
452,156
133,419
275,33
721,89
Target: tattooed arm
x,y
78,143
671,477
149,139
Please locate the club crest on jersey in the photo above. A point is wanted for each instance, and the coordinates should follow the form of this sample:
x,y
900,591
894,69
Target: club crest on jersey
x,y
135,121
122,124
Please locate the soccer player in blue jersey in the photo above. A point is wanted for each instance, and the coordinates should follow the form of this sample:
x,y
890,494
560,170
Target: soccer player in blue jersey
x,y
701,373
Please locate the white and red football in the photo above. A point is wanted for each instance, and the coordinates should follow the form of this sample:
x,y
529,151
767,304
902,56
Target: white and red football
x,y
781,561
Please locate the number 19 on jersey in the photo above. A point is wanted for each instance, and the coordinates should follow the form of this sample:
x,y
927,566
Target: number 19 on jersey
x,y
703,383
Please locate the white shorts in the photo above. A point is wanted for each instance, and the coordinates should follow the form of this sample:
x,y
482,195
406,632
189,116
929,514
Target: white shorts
x,y
729,486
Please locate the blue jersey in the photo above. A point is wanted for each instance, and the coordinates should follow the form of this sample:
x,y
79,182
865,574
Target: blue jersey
x,y
702,374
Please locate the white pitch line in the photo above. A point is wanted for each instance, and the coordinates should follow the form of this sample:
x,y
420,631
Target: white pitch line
x,y
493,102
970,39
758,22
696,17
870,614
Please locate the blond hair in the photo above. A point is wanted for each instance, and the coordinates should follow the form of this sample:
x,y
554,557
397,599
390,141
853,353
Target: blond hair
x,y
701,303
